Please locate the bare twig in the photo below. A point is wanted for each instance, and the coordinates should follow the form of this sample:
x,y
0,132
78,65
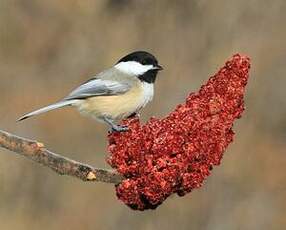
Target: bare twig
x,y
36,151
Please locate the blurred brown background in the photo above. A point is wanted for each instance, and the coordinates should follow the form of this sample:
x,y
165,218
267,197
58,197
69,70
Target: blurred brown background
x,y
49,47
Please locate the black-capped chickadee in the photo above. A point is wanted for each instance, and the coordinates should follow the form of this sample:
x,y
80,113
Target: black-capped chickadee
x,y
115,93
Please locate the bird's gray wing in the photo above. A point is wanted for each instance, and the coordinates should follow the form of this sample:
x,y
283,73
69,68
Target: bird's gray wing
x,y
98,87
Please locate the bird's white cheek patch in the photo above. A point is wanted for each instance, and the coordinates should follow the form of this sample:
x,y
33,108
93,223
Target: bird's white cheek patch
x,y
133,67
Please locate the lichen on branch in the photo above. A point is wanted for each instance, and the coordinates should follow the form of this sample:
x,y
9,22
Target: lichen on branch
x,y
64,166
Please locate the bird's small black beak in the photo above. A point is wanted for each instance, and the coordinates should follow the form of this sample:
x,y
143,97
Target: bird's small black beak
x,y
158,67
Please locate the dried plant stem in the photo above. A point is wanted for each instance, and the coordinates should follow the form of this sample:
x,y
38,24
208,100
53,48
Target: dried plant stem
x,y
37,152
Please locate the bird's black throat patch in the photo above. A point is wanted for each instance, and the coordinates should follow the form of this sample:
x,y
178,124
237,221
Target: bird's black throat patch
x,y
149,76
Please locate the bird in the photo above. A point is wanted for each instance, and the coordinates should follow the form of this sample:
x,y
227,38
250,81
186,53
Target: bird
x,y
115,93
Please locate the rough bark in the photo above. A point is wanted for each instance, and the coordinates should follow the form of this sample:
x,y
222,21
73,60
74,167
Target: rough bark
x,y
36,151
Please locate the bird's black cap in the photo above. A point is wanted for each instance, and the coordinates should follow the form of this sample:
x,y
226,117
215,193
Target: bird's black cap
x,y
142,57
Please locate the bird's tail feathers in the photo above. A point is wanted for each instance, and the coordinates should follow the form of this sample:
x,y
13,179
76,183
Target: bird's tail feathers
x,y
57,105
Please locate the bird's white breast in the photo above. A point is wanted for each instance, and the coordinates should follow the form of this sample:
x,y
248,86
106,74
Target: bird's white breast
x,y
147,94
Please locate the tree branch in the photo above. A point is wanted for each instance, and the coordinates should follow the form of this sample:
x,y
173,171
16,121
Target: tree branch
x,y
64,166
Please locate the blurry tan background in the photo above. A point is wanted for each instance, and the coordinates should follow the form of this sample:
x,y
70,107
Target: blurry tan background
x,y
49,47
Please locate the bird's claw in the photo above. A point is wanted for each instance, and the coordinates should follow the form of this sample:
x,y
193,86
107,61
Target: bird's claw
x,y
134,115
119,128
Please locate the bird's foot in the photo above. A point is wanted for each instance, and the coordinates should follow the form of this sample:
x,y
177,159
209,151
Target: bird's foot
x,y
119,128
134,115
115,127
